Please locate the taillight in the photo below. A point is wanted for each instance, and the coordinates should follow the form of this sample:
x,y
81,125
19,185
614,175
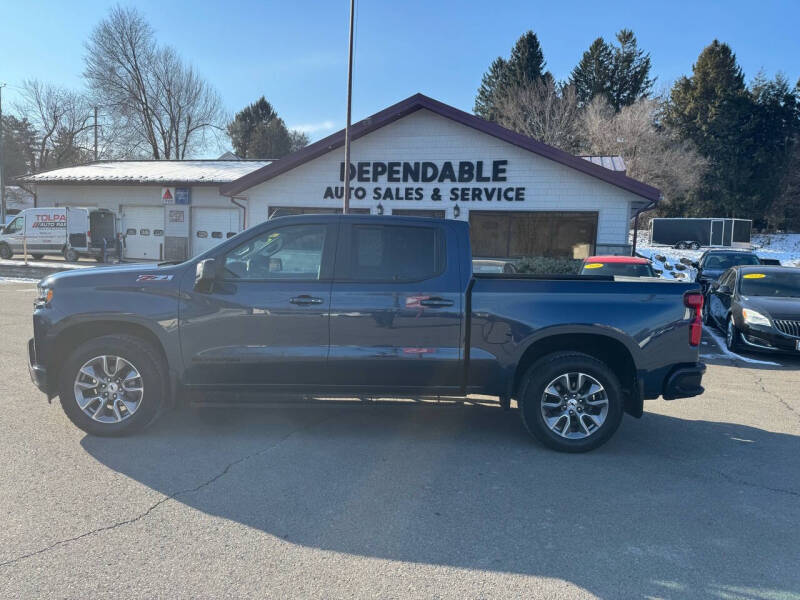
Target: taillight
x,y
694,300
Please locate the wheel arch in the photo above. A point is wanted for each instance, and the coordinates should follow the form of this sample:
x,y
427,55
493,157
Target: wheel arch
x,y
79,332
604,348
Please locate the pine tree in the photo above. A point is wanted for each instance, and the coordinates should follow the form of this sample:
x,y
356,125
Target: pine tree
x,y
630,73
491,81
592,76
525,65
258,132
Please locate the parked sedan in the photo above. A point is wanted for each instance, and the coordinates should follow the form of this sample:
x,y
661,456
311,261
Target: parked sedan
x,y
714,263
758,308
628,266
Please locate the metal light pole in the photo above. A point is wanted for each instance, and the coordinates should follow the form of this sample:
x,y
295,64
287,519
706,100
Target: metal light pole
x,y
2,182
346,206
95,134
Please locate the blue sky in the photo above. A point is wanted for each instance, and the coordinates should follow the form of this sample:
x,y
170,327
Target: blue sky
x,y
295,52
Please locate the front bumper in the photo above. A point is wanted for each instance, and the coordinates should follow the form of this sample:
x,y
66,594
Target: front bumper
x,y
684,381
37,372
768,339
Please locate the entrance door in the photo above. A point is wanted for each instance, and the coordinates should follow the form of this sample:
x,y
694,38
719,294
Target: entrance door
x,y
395,311
143,228
210,226
265,322
717,226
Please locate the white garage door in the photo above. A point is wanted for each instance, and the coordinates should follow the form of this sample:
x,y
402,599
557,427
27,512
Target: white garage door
x,y
143,227
210,226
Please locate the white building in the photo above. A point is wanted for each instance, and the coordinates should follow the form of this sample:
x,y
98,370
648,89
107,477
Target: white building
x,y
419,156
166,208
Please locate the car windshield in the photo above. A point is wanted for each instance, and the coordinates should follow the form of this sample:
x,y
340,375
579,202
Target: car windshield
x,y
722,262
625,269
783,284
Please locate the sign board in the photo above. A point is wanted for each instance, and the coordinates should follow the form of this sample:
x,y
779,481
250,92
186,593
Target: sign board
x,y
183,195
453,180
168,195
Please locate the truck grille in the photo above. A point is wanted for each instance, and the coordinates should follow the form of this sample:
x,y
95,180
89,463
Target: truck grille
x,y
788,327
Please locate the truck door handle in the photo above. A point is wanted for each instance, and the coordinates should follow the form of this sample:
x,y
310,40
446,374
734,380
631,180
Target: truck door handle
x,y
305,299
436,302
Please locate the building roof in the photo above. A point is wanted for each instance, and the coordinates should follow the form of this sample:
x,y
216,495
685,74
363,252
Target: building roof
x,y
613,163
418,102
161,172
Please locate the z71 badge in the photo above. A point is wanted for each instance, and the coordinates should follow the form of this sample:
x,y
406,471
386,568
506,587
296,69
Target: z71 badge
x,y
154,278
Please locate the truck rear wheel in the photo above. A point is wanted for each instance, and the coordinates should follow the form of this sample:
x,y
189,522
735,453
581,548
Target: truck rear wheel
x,y
571,402
112,385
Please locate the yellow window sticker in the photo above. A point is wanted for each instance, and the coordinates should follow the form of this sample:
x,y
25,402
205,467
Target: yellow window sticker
x,y
593,266
754,275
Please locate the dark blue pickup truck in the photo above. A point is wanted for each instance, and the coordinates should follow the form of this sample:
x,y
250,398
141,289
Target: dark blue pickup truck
x,y
355,306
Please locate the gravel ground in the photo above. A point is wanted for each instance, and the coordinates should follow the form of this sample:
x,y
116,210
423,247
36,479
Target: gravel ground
x,y
699,499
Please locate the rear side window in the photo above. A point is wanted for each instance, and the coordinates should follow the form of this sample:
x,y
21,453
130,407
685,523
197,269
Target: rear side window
x,y
396,253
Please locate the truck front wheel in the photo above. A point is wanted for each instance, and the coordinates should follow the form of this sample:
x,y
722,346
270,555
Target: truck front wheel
x,y
112,385
571,402
5,251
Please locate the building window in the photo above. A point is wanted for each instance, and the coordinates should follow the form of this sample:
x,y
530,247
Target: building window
x,y
202,234
144,232
130,231
158,232
537,233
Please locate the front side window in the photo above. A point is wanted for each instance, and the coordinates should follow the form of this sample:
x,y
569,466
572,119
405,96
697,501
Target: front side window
x,y
395,253
293,252
15,225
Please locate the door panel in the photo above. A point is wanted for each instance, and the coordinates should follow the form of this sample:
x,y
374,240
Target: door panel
x,y
388,334
266,322
143,227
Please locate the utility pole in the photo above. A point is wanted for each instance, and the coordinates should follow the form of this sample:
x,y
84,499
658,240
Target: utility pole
x,y
346,206
95,133
2,181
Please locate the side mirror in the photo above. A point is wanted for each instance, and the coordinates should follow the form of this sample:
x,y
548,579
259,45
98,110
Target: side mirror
x,y
205,275
696,265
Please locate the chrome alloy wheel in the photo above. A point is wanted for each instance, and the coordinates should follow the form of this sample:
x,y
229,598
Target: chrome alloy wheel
x,y
108,389
574,405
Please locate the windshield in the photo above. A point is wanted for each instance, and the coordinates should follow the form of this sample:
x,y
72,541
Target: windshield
x,y
626,269
722,262
783,284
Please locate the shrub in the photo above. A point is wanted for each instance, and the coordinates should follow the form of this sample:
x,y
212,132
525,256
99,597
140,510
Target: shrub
x,y
547,265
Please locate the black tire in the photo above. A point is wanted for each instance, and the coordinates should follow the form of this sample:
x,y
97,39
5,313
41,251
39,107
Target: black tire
x,y
70,255
545,370
37,256
732,335
137,352
680,246
5,251
99,259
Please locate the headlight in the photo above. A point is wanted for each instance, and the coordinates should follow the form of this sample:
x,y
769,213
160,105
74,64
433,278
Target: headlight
x,y
43,295
752,317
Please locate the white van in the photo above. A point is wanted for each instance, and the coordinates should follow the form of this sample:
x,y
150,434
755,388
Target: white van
x,y
71,232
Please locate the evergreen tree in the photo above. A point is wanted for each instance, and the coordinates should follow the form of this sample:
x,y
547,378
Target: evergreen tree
x,y
524,66
19,147
491,81
630,72
258,132
592,76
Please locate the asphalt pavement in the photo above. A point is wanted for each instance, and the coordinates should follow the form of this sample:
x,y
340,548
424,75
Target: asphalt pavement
x,y
698,499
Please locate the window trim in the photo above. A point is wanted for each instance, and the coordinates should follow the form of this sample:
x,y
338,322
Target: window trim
x,y
326,264
345,248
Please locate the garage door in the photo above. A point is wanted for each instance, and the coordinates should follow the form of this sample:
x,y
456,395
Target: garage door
x,y
143,227
210,226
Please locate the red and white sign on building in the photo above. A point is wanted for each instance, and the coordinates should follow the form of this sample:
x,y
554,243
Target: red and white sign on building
x,y
168,195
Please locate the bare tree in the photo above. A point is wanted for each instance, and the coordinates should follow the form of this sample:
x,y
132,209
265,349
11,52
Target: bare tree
x,y
158,105
652,153
63,121
543,110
